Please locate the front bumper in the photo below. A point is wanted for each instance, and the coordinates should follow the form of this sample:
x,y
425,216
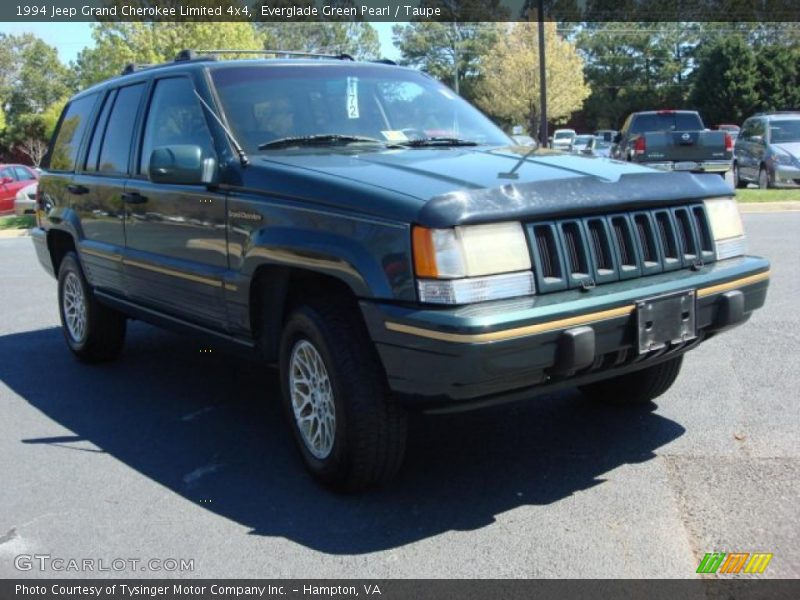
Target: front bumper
x,y
39,237
456,355
705,166
786,176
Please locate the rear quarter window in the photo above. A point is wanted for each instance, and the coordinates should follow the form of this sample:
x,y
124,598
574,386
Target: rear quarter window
x,y
67,140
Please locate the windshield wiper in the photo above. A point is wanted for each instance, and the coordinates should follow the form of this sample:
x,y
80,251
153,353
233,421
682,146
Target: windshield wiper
x,y
439,141
321,139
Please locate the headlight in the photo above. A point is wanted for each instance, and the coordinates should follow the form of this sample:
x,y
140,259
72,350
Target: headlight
x,y
472,263
726,227
782,158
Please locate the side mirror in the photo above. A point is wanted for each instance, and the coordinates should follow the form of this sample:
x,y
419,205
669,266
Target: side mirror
x,y
181,164
6,180
618,138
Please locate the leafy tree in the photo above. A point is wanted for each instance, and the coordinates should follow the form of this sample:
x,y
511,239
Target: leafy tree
x,y
725,81
31,75
451,52
117,44
511,89
345,36
635,66
778,84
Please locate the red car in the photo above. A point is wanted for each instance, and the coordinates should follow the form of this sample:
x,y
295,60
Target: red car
x,y
12,179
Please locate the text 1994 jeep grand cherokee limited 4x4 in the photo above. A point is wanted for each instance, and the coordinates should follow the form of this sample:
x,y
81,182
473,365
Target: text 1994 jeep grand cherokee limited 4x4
x,y
382,241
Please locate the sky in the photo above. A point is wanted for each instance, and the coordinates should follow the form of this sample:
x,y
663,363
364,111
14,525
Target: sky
x,y
70,38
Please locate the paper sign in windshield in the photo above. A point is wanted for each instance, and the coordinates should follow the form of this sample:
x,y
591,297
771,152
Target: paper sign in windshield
x,y
352,97
394,135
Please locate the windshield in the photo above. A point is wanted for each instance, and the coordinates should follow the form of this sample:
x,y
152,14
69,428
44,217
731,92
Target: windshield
x,y
583,139
787,130
267,103
563,135
666,121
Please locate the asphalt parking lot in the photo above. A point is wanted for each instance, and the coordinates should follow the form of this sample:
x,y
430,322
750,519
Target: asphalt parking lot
x,y
176,453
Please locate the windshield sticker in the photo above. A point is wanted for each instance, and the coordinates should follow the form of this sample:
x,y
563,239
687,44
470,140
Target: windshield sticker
x,y
352,97
394,135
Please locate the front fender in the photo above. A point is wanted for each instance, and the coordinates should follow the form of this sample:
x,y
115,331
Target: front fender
x,y
372,259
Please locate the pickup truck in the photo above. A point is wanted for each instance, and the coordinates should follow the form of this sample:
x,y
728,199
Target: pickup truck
x,y
674,140
379,240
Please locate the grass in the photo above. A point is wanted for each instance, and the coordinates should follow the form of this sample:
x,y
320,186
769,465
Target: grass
x,y
756,195
15,222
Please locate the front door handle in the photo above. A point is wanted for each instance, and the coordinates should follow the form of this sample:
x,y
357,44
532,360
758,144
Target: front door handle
x,y
133,198
77,189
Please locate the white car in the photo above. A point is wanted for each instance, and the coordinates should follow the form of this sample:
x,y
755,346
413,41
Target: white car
x,y
563,138
25,200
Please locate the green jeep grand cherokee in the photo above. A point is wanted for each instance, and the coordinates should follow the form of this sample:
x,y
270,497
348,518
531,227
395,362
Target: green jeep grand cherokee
x,y
379,239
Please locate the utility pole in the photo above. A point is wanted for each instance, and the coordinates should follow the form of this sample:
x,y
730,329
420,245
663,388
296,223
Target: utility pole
x,y
542,78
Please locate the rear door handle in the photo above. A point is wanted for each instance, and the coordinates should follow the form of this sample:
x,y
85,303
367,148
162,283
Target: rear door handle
x,y
133,198
77,189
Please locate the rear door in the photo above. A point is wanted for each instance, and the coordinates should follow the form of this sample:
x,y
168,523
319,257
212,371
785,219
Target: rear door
x,y
99,183
176,250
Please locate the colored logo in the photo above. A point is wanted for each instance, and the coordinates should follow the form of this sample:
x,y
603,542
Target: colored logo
x,y
734,562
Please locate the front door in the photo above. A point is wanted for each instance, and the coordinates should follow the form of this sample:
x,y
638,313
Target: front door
x,y
176,246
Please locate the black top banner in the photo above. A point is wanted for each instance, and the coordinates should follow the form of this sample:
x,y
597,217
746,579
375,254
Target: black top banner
x,y
402,10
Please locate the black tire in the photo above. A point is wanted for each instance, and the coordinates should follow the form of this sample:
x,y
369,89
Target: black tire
x,y
639,387
370,426
738,182
764,180
103,331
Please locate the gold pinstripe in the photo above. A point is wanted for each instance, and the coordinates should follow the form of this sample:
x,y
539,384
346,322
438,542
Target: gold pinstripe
x,y
516,332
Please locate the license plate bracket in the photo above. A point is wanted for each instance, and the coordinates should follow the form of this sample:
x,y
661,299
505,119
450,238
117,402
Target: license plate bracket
x,y
667,319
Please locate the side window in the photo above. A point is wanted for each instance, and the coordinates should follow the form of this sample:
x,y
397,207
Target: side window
x,y
64,151
23,174
175,117
99,130
116,149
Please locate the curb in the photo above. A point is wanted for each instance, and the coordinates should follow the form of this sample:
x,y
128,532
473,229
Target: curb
x,y
762,207
14,233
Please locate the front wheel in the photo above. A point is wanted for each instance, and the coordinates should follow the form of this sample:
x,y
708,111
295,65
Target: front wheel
x,y
350,431
764,181
639,387
93,332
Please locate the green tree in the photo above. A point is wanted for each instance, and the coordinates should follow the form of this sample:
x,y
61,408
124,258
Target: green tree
x,y
778,86
31,75
118,44
725,81
451,52
635,66
511,90
345,36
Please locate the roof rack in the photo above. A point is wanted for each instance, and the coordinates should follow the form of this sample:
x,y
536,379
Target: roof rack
x,y
287,53
133,68
189,55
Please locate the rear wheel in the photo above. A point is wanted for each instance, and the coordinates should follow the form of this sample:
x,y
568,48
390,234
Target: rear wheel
x,y
639,387
350,431
93,332
738,182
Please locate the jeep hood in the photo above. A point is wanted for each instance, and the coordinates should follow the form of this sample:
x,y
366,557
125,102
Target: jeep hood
x,y
452,186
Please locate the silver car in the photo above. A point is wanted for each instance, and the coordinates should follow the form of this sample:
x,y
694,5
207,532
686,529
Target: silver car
x,y
25,200
767,151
